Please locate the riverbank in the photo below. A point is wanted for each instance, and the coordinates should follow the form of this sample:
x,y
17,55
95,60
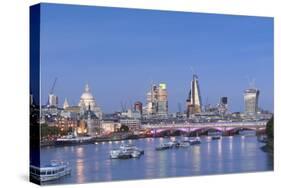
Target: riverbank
x,y
115,137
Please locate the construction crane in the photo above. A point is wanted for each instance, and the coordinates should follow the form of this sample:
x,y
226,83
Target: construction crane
x,y
52,90
53,86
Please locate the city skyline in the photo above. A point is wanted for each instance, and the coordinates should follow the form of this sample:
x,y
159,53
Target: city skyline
x,y
111,82
119,56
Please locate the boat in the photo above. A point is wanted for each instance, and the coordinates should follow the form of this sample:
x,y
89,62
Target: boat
x,y
73,139
194,141
162,147
131,147
183,145
216,137
126,151
52,171
136,154
114,154
171,144
165,146
125,155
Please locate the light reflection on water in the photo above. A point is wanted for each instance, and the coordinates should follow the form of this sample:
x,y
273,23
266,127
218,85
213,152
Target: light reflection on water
x,y
91,163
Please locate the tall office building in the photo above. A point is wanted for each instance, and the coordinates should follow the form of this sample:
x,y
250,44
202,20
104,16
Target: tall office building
x,y
194,103
157,101
251,99
223,106
162,100
223,100
138,107
53,100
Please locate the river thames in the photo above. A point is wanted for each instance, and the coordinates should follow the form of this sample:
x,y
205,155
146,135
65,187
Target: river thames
x,y
91,163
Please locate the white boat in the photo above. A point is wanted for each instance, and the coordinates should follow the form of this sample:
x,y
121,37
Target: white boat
x,y
114,154
73,139
53,171
125,154
126,151
194,141
162,147
170,144
165,146
122,154
183,145
136,154
130,147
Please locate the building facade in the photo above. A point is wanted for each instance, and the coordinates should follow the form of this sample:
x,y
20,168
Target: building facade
x,y
157,101
53,100
90,124
138,107
194,103
110,126
132,124
251,99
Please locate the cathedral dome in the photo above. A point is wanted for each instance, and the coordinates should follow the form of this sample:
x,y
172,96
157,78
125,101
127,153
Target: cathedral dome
x,y
87,95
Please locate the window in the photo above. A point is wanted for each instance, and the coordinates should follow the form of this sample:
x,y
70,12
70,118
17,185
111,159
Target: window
x,y
43,173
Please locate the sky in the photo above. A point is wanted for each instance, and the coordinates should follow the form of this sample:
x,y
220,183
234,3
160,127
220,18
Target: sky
x,y
120,52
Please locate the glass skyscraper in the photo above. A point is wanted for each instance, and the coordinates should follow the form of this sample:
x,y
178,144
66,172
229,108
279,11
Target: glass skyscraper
x,y
194,103
251,98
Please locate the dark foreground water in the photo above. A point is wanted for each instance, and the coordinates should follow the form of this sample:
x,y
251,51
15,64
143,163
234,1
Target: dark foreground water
x,y
91,163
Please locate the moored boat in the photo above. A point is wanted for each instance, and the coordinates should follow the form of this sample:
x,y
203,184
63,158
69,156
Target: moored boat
x,y
194,141
165,146
216,137
73,140
52,171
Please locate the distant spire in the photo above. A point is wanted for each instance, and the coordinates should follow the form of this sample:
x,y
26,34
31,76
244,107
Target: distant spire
x,y
87,88
65,104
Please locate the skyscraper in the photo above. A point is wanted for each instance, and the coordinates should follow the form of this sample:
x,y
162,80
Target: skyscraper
x,y
223,106
162,100
53,100
138,107
223,100
251,99
157,101
194,98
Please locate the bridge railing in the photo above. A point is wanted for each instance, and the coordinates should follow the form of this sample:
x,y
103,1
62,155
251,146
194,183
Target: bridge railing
x,y
216,124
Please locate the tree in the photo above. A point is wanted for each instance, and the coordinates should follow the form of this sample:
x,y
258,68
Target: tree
x,y
270,135
270,129
124,128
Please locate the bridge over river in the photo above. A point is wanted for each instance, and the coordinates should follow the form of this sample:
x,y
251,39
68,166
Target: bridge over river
x,y
226,128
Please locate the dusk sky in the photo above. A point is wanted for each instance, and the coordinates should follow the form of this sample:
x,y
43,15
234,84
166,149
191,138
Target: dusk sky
x,y
120,52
